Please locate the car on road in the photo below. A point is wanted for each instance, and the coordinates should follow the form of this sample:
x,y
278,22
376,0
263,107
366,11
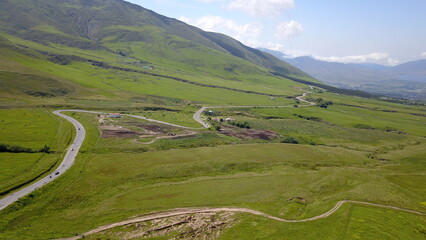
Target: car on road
x,y
56,173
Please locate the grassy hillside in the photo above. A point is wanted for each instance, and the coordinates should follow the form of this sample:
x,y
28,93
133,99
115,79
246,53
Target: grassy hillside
x,y
132,36
32,129
116,178
294,162
81,77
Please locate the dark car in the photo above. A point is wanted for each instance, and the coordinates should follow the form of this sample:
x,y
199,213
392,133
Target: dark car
x,y
56,173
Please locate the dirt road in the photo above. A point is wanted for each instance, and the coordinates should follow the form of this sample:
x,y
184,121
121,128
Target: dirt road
x,y
197,115
80,135
186,211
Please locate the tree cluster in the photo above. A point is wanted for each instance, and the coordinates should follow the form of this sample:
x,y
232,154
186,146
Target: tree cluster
x,y
20,149
240,124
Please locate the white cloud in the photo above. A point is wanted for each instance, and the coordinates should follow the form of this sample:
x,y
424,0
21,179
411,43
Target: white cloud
x,y
380,58
246,33
423,54
296,53
261,7
289,30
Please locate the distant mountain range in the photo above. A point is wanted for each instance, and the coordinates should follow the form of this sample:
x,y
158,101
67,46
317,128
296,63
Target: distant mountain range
x,y
406,80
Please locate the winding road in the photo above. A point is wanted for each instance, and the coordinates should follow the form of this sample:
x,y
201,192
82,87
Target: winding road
x,y
186,211
74,148
66,163
197,115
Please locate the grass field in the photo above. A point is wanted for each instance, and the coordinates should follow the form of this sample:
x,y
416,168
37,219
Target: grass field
x,y
350,222
106,186
83,81
358,149
182,117
30,128
347,223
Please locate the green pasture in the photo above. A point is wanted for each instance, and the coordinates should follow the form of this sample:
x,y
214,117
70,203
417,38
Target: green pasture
x,y
31,128
359,149
82,81
349,222
109,186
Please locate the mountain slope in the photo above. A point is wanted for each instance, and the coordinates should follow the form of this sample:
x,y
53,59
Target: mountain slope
x,y
407,80
114,51
87,23
339,74
412,71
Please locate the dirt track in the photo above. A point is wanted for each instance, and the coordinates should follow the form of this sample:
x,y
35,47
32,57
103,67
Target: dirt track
x,y
186,211
197,115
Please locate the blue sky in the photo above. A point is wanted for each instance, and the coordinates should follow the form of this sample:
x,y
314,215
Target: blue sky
x,y
374,31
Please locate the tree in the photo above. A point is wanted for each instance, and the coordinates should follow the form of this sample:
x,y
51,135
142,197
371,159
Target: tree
x,y
45,149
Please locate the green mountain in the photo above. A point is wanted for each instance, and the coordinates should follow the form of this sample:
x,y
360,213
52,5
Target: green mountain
x,y
126,40
91,24
337,166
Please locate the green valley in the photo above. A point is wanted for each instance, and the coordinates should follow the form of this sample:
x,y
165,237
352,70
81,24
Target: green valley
x,y
275,140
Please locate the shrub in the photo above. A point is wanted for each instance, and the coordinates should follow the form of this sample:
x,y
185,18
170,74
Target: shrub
x,y
20,149
45,149
290,139
216,126
14,149
240,124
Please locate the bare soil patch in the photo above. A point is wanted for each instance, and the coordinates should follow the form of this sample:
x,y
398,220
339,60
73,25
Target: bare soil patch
x,y
111,131
190,226
249,133
217,224
154,128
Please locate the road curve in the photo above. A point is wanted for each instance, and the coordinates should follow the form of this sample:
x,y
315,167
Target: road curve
x,y
185,211
73,149
197,115
66,163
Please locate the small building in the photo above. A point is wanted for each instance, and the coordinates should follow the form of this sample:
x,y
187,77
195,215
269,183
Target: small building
x,y
115,115
229,119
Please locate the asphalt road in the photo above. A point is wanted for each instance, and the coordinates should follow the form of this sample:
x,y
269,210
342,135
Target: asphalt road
x,y
73,149
66,164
